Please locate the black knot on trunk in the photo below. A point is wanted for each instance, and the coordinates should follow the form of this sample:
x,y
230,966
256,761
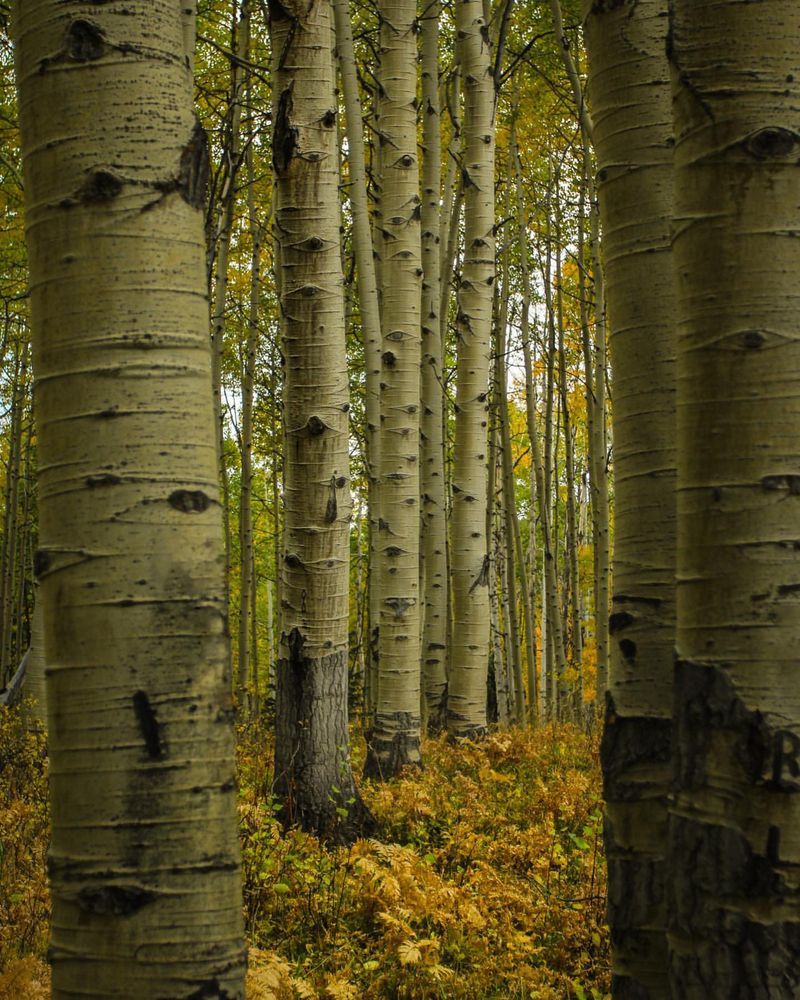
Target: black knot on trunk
x,y
102,185
194,168
771,143
315,426
85,41
189,501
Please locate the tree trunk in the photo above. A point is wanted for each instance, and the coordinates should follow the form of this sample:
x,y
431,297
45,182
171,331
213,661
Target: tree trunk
x,y
313,776
247,583
466,709
634,148
394,741
734,852
434,537
9,625
221,244
370,318
144,842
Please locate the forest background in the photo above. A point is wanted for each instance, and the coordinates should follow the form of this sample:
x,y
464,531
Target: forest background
x,y
440,881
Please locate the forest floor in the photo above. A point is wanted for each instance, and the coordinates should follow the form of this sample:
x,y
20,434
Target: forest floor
x,y
486,879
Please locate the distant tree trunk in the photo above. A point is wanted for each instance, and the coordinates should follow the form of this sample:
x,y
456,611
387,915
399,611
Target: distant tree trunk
x,y
395,738
634,148
144,842
221,243
516,555
595,371
571,544
247,581
313,775
466,709
370,318
553,656
507,505
595,426
8,562
734,852
434,537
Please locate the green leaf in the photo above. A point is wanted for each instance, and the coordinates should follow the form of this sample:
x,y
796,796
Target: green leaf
x,y
281,888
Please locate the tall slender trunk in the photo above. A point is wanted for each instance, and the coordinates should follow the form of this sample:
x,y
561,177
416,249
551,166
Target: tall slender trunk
x,y
247,582
553,656
396,733
634,148
595,421
513,532
11,532
596,369
466,710
222,238
144,840
507,499
734,852
434,639
369,309
313,775
570,534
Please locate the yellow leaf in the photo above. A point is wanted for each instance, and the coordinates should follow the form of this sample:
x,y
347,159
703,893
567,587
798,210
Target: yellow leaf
x,y
409,953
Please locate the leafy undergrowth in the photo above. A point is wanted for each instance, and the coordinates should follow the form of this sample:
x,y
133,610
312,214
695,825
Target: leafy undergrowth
x,y
487,881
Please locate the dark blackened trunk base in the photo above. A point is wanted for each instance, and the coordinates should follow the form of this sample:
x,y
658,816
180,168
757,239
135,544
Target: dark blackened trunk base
x,y
635,754
388,755
313,775
734,900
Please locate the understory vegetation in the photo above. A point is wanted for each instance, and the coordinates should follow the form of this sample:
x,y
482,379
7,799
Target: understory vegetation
x,y
485,877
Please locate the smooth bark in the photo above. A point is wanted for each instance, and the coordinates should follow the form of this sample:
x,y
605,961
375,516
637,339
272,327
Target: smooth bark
x,y
734,852
144,859
313,774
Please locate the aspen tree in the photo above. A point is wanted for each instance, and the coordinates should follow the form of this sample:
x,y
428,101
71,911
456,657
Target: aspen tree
x,y
504,495
144,859
434,537
395,737
466,710
734,852
220,250
634,151
312,764
594,354
9,624
513,533
248,650
369,311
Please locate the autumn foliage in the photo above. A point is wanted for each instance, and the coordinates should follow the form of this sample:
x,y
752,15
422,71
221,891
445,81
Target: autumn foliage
x,y
486,878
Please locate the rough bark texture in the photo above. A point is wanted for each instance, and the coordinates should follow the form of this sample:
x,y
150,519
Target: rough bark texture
x,y
144,860
396,732
634,149
735,825
312,765
466,709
